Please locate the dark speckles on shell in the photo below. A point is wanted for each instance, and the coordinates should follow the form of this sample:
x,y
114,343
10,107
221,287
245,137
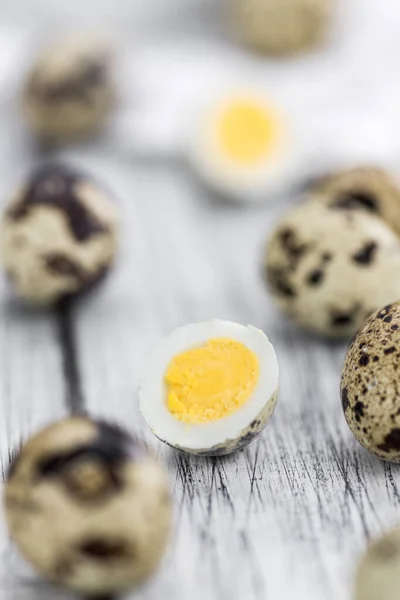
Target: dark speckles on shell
x,y
363,360
392,441
64,266
390,350
340,318
371,382
359,409
292,246
365,256
316,277
345,399
111,444
105,549
91,471
279,282
356,199
384,312
55,185
92,73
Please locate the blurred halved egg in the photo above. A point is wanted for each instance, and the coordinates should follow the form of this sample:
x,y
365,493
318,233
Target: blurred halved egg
x,y
210,387
245,149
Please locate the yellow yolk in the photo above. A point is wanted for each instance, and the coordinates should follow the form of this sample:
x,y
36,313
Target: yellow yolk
x,y
247,131
211,382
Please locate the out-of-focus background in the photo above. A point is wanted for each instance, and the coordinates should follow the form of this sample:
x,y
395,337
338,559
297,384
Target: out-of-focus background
x,y
175,54
291,514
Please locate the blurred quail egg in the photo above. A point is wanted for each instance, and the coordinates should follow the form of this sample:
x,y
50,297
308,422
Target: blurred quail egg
x,y
210,387
329,270
69,91
369,387
88,507
378,576
245,149
368,189
281,27
58,234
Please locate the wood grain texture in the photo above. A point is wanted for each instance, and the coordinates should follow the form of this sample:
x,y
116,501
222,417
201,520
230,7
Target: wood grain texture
x,y
32,394
291,513
288,516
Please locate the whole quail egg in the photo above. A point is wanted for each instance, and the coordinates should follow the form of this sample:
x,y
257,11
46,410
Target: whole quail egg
x,y
58,234
328,270
281,26
369,189
210,387
69,91
245,150
378,576
88,506
369,386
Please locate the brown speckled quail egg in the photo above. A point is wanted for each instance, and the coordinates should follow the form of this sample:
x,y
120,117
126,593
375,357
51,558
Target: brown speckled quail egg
x,y
69,91
58,234
328,270
370,384
378,576
88,507
210,388
369,189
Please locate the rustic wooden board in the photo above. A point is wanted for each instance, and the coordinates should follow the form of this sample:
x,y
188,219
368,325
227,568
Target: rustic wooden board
x,y
287,517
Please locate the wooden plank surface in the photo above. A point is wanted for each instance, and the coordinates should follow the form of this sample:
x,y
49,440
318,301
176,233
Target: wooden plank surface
x,y
287,517
289,514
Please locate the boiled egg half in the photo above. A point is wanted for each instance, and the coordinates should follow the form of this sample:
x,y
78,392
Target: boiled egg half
x,y
209,388
246,149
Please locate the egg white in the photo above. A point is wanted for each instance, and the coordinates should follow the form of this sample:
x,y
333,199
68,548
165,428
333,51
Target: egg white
x,y
228,433
277,173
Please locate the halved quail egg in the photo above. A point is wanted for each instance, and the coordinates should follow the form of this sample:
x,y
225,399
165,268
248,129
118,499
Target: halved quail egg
x,y
246,149
210,388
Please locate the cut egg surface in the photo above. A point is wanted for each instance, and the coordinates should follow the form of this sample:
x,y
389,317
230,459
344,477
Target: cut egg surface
x,y
245,149
210,388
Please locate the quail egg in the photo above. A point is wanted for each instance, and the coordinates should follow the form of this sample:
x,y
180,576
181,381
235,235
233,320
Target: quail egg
x,y
369,189
369,386
58,234
88,507
378,576
69,90
281,26
210,387
328,270
246,150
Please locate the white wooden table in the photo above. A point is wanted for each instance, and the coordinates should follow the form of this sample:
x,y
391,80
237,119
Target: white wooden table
x,y
289,516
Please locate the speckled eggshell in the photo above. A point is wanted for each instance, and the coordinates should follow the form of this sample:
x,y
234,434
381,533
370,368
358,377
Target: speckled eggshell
x,y
241,441
88,507
368,189
378,576
281,27
328,270
370,387
69,91
58,235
